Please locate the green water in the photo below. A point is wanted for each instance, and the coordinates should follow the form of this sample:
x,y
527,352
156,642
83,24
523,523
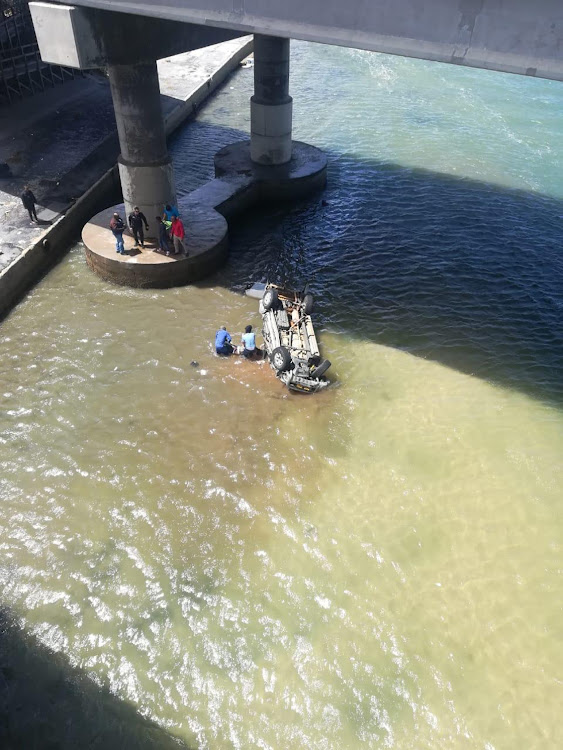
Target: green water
x,y
375,566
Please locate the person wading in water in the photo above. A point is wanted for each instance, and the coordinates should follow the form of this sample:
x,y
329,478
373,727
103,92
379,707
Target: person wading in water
x,y
223,342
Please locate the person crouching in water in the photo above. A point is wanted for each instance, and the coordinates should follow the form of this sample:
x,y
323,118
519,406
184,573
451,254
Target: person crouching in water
x,y
163,240
177,233
223,342
249,343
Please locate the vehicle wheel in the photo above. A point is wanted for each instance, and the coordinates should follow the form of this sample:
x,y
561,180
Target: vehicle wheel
x,y
261,309
281,359
308,303
269,299
321,369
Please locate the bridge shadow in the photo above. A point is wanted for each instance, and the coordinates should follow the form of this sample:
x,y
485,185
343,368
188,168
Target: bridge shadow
x,y
47,704
462,272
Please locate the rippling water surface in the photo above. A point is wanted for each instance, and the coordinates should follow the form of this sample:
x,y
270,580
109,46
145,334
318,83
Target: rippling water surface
x,y
378,565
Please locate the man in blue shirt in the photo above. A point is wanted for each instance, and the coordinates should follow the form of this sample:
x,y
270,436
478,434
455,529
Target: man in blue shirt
x,y
223,342
170,212
249,343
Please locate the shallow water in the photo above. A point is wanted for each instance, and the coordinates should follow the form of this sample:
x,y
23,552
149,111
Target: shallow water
x,y
377,565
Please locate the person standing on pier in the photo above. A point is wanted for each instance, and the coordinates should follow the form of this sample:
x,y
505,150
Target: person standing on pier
x,y
136,221
28,200
163,239
178,234
169,213
117,227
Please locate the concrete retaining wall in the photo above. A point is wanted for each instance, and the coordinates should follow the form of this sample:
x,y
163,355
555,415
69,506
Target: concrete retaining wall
x,y
17,278
39,257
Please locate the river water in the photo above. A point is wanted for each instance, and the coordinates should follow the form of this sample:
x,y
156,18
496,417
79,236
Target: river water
x,y
378,565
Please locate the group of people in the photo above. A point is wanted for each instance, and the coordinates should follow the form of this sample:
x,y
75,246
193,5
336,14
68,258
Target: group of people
x,y
248,348
171,232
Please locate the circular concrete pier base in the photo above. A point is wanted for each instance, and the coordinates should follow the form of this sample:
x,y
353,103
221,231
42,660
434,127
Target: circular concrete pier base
x,y
239,184
304,173
206,244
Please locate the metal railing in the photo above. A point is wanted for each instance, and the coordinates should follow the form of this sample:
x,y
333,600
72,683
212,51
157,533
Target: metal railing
x,y
22,71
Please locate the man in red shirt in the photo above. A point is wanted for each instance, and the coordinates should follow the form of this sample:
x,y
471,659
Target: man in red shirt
x,y
178,234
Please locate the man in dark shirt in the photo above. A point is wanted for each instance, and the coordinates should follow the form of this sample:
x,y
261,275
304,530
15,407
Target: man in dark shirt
x,y
136,221
28,200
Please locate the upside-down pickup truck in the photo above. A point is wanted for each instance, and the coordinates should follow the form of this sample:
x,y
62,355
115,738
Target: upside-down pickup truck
x,y
289,337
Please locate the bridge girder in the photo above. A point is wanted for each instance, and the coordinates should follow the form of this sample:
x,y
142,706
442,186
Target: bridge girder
x,y
518,36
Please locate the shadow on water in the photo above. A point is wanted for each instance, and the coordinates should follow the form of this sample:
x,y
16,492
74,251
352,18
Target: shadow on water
x,y
47,704
450,269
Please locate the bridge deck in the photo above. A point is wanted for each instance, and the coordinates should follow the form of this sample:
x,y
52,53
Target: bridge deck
x,y
517,36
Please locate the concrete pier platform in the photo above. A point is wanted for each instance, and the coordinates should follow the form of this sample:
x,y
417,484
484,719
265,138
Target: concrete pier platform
x,y
239,185
206,248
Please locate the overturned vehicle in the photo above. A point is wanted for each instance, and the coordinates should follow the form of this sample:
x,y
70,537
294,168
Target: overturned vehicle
x,y
289,337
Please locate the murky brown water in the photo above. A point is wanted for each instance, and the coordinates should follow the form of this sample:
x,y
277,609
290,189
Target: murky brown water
x,y
378,565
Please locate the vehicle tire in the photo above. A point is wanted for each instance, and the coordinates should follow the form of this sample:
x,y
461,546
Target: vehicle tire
x,y
281,359
308,304
261,309
321,369
269,299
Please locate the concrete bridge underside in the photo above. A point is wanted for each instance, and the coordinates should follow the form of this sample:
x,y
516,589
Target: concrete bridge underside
x,y
515,36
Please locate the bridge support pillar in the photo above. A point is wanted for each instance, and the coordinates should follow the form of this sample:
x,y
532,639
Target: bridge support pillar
x,y
271,105
145,169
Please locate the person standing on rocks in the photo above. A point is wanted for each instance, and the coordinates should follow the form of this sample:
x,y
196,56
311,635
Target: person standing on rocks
x,y
117,227
136,221
178,234
29,201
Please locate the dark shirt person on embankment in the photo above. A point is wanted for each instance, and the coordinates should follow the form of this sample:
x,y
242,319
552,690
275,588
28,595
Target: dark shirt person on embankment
x,y
29,201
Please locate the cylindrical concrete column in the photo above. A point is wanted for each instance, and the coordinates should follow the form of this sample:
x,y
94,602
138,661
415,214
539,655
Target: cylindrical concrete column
x,y
271,105
145,169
